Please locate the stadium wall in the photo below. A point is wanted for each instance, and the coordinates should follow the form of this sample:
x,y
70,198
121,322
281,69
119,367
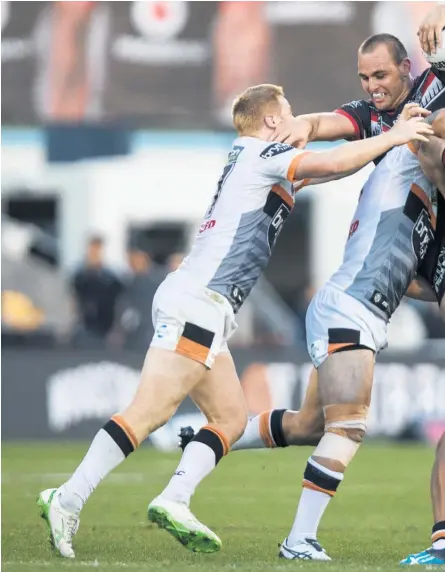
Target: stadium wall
x,y
70,393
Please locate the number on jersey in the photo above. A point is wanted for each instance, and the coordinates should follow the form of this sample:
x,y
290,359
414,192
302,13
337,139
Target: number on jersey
x,y
233,156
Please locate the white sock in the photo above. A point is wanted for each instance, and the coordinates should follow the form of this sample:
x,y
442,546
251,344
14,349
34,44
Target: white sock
x,y
102,457
311,508
197,461
251,438
439,544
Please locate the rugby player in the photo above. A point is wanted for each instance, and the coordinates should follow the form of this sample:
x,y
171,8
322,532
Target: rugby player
x,y
384,70
347,319
435,171
194,315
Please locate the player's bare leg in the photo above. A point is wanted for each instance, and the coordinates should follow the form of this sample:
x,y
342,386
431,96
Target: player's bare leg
x,y
280,427
345,382
166,379
220,398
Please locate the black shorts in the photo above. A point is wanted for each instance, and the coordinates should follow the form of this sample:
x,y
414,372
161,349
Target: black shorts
x,y
432,267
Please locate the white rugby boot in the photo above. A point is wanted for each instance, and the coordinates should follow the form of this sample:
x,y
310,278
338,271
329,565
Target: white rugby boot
x,y
307,549
62,524
177,519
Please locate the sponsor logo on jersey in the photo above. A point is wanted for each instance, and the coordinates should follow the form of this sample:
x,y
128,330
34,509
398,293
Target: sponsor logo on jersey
x,y
356,104
206,225
275,149
234,153
237,295
276,224
422,234
354,226
380,300
439,275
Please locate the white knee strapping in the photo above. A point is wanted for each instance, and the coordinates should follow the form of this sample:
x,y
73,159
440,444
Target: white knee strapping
x,y
336,447
347,424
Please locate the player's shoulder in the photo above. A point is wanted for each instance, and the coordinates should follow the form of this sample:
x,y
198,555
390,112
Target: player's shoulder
x,y
423,82
254,147
270,150
356,105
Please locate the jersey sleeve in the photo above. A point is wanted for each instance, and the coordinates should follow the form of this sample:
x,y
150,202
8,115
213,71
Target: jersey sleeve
x,y
279,161
439,71
359,115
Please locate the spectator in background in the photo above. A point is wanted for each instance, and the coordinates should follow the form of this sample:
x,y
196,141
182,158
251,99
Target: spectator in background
x,y
134,327
95,289
174,261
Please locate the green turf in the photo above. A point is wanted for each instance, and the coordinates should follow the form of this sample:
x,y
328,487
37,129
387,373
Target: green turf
x,y
381,513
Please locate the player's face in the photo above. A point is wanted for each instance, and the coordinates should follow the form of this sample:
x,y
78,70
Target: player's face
x,y
286,109
385,81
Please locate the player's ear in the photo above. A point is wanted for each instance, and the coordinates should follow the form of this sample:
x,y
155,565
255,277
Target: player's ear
x,y
272,121
405,66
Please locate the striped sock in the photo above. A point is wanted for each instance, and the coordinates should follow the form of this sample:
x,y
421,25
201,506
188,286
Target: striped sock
x,y
438,535
264,430
112,444
199,459
319,486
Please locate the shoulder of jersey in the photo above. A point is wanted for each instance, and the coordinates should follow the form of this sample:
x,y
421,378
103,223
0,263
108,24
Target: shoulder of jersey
x,y
275,149
357,103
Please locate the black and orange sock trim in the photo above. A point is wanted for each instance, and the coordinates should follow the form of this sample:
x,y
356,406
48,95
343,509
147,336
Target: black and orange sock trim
x,y
438,531
119,430
215,439
276,427
271,428
317,480
265,429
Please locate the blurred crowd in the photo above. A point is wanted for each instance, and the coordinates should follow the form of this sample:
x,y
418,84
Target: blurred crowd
x,y
108,308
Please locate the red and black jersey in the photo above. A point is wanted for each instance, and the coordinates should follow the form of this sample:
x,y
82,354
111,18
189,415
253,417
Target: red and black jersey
x,y
428,91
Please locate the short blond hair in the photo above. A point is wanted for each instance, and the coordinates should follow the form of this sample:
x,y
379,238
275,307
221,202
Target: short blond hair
x,y
252,105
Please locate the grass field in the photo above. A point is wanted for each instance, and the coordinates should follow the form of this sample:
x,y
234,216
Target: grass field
x,y
381,513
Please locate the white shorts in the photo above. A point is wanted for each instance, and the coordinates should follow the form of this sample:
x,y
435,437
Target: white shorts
x,y
193,321
335,320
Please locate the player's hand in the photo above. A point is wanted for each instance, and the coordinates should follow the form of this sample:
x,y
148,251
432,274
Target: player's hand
x,y
294,131
430,30
413,110
414,129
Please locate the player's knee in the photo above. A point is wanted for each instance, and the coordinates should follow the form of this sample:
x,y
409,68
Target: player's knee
x,y
345,428
354,434
303,427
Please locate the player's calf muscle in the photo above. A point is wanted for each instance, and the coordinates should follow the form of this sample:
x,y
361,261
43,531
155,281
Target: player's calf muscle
x,y
303,427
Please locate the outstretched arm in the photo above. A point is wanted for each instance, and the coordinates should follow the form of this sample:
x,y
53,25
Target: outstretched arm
x,y
342,160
